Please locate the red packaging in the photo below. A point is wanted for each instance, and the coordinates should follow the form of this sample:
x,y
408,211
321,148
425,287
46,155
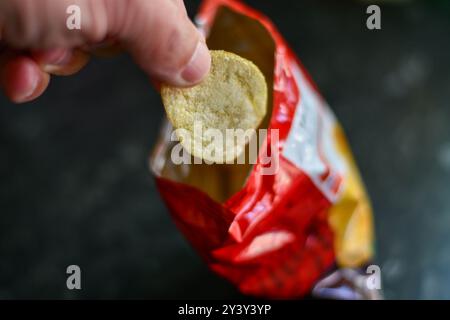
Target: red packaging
x,y
273,235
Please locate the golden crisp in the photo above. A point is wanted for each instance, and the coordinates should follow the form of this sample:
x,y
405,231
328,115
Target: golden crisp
x,y
232,96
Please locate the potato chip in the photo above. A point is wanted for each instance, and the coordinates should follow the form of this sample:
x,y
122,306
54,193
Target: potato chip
x,y
210,118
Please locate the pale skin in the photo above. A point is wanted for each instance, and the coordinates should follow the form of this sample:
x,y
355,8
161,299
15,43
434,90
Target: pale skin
x,y
36,44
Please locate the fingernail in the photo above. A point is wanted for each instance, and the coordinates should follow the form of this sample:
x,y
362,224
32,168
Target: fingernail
x,y
199,64
30,88
57,60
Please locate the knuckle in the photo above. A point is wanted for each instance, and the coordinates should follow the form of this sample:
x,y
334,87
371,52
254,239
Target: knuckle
x,y
18,28
95,20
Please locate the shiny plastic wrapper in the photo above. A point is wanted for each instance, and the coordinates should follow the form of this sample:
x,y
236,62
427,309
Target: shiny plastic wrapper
x,y
299,224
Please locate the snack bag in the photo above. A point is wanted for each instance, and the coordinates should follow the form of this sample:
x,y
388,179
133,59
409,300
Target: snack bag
x,y
296,222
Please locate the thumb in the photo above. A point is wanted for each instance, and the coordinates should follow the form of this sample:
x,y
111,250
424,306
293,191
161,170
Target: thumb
x,y
164,42
157,33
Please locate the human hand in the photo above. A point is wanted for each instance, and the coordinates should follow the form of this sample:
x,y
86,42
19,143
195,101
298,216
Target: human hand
x,y
35,42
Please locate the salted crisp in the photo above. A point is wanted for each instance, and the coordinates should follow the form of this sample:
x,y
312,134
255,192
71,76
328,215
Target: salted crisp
x,y
233,96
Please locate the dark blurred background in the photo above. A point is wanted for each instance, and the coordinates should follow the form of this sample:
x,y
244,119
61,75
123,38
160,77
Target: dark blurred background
x,y
75,187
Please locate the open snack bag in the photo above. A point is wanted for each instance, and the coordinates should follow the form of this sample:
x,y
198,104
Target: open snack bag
x,y
295,223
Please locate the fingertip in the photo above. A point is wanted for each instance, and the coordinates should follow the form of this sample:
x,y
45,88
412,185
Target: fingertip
x,y
43,83
58,56
61,62
194,71
22,79
198,66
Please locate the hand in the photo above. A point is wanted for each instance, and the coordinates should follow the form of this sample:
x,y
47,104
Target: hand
x,y
36,43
